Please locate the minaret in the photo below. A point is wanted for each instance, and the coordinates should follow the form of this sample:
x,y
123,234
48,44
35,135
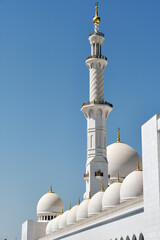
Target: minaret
x,y
96,112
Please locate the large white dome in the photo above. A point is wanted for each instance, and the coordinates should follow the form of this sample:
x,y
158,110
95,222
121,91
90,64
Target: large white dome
x,y
50,203
122,159
111,196
132,186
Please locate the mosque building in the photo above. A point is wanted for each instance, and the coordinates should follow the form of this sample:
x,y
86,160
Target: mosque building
x,y
121,202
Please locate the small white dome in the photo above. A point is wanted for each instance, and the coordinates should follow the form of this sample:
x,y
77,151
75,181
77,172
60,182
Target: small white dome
x,y
49,227
71,218
111,196
50,203
55,223
95,204
132,186
82,211
63,220
122,159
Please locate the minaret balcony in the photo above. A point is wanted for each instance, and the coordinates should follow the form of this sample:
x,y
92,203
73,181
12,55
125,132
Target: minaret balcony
x,y
97,102
97,33
99,175
86,176
96,56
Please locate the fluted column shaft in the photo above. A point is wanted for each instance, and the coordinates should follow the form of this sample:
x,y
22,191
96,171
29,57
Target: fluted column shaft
x,y
96,83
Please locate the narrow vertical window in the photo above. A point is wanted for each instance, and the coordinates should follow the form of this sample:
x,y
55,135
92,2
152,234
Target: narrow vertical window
x,y
97,49
91,139
94,49
100,52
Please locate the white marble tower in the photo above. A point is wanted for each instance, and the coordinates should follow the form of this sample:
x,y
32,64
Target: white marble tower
x,y
96,112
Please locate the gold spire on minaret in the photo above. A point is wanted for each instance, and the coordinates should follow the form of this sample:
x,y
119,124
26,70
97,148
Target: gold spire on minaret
x,y
89,195
96,18
70,206
118,135
51,189
79,201
102,188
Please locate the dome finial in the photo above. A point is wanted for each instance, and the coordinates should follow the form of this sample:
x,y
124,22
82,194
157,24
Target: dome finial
x,y
79,201
102,188
96,18
70,206
89,195
118,180
51,189
118,135
138,168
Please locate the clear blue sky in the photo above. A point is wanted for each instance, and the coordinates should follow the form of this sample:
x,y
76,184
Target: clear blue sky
x,y
44,81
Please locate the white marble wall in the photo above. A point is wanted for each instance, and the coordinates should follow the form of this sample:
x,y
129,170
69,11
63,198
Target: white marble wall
x,y
116,226
33,230
151,177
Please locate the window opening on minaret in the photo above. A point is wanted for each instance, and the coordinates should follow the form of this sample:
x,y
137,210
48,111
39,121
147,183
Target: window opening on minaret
x,y
93,52
97,49
91,139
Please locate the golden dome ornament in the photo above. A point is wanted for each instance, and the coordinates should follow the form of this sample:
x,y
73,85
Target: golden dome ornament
x,y
96,18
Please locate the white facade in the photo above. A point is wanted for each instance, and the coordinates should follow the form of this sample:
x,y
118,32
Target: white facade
x,y
126,208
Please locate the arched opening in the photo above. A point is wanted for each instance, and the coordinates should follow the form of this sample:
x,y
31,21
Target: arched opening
x,y
141,237
134,237
121,238
127,238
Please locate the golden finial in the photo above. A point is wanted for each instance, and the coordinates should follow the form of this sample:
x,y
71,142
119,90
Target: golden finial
x,y
118,135
51,189
118,180
62,210
79,201
138,168
96,18
70,206
89,195
102,188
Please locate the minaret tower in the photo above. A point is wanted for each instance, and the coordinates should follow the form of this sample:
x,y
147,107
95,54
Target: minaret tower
x,y
96,112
